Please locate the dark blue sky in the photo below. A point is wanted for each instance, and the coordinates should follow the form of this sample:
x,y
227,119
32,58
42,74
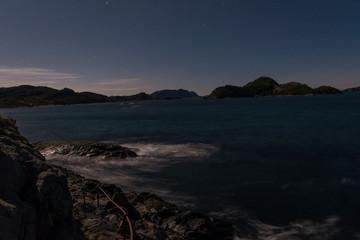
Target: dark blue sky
x,y
121,47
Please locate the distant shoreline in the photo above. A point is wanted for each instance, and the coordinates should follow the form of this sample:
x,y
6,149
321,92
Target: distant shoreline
x,y
31,96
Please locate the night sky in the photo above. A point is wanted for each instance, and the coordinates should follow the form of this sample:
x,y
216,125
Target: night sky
x,y
122,47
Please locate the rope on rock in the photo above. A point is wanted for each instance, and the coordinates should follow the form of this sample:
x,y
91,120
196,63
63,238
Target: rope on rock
x,y
116,205
123,211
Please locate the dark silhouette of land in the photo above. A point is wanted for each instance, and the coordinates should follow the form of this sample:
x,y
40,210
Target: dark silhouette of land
x,y
265,86
30,96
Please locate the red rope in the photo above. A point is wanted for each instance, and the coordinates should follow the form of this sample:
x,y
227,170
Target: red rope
x,y
122,210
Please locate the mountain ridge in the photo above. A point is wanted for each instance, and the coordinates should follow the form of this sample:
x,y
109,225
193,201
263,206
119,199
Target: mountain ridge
x,y
31,96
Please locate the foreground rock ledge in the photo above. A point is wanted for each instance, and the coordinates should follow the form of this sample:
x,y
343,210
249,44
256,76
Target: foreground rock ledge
x,y
39,201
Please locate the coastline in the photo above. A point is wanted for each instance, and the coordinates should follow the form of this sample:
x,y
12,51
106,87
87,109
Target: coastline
x,y
159,158
38,201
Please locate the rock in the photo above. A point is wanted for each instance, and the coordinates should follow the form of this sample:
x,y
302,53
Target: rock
x,y
12,175
85,148
197,226
188,225
17,220
152,218
54,192
34,200
151,207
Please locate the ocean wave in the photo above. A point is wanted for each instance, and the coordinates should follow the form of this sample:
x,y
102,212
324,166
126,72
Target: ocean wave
x,y
136,174
167,150
297,230
133,173
248,226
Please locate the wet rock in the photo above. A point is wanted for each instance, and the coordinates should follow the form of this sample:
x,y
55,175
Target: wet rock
x,y
85,148
197,226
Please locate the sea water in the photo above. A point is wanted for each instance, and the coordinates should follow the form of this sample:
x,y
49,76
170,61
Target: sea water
x,y
289,166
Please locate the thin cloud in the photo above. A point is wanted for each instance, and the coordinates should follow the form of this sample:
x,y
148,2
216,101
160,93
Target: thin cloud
x,y
113,89
117,86
33,76
118,82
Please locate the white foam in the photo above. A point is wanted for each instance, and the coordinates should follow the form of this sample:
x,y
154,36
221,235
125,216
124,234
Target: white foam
x,y
307,229
134,174
231,213
187,150
297,230
95,168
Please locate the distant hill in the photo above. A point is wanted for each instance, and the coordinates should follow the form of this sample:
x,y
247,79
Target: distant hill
x,y
265,86
229,91
262,86
355,89
29,96
293,88
327,90
174,94
140,97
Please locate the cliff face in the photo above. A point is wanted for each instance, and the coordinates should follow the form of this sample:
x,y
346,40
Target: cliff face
x,y
40,201
35,202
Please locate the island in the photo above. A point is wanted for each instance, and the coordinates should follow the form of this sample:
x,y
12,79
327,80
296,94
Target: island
x,y
265,86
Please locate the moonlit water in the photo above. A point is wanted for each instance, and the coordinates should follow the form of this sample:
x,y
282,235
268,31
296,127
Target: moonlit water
x,y
290,165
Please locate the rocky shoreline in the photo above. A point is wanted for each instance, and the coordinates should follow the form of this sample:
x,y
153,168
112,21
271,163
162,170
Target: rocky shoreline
x,y
85,148
42,201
